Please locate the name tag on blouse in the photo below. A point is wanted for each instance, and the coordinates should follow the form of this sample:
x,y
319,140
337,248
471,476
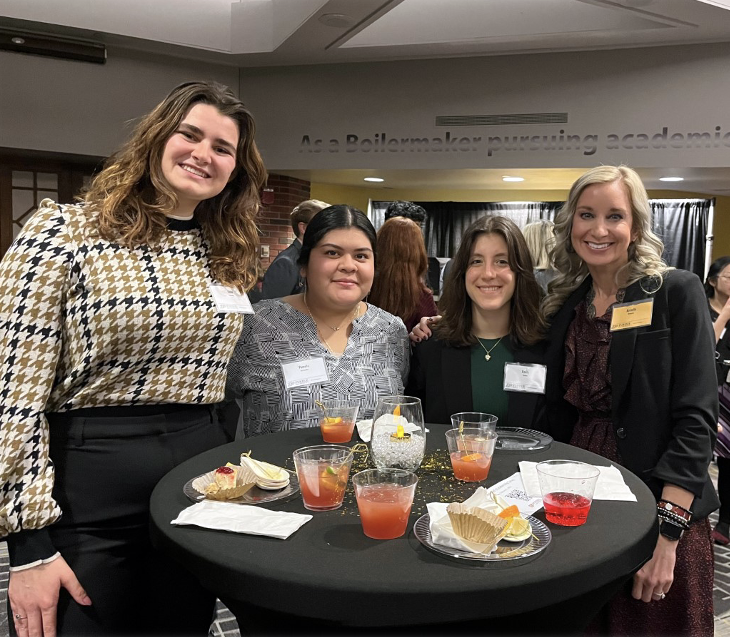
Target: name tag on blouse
x,y
307,371
525,377
230,300
633,314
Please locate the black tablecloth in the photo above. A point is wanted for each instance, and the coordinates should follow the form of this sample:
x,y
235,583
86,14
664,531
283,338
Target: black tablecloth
x,y
330,571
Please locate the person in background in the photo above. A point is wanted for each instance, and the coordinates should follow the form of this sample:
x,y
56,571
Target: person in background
x,y
717,289
406,209
540,241
631,378
490,323
282,276
363,349
399,286
113,354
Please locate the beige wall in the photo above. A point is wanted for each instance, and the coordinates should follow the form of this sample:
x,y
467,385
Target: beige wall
x,y
359,198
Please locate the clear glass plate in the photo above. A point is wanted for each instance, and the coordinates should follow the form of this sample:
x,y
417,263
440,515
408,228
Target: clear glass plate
x,y
253,496
519,439
507,552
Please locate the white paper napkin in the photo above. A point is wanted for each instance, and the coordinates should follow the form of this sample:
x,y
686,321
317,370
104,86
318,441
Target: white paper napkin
x,y
241,518
610,485
365,429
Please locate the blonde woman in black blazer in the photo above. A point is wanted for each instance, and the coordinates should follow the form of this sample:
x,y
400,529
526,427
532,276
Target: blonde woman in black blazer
x,y
644,396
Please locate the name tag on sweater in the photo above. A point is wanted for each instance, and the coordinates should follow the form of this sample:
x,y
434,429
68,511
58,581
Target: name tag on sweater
x,y
304,372
525,377
230,300
633,314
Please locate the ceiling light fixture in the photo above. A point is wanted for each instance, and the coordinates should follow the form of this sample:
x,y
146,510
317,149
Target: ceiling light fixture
x,y
508,178
722,4
375,180
671,178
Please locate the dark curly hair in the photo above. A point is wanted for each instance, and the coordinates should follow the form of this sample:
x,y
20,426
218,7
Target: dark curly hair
x,y
406,209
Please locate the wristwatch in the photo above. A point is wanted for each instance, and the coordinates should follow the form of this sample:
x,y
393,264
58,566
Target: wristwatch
x,y
670,530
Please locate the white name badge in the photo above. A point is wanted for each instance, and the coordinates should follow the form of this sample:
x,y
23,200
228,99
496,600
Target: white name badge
x,y
304,372
230,299
525,377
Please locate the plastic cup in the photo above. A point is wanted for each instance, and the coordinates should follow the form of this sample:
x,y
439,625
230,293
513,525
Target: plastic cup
x,y
471,452
567,488
477,419
323,471
337,421
384,499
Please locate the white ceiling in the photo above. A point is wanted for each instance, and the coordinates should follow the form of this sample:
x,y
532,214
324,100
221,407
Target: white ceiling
x,y
254,33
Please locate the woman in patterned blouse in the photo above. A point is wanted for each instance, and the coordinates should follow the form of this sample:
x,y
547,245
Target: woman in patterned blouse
x,y
363,349
113,352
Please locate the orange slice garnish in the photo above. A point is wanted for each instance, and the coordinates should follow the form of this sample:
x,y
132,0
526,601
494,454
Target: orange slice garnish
x,y
509,512
472,457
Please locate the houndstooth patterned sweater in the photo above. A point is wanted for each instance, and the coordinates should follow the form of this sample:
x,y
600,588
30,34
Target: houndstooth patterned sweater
x,y
86,323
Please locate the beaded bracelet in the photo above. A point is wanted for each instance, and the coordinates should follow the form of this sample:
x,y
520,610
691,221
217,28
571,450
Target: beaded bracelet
x,y
673,518
666,505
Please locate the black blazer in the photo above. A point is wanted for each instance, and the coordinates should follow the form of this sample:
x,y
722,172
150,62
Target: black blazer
x,y
441,377
282,276
664,391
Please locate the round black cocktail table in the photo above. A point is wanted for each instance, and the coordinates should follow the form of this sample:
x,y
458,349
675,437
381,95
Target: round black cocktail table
x,y
328,576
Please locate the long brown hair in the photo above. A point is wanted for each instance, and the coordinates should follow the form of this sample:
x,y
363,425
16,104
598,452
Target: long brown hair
x,y
131,196
402,266
526,324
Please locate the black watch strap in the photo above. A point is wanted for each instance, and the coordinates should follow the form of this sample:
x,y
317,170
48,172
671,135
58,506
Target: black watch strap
x,y
670,530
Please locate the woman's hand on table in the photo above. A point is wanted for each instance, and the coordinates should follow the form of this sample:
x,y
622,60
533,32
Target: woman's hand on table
x,y
654,579
422,331
33,595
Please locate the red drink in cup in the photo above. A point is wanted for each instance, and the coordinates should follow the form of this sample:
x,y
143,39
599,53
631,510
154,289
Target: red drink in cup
x,y
566,509
384,499
567,488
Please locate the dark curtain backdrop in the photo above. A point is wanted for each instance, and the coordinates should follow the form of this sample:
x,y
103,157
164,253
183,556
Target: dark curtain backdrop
x,y
681,224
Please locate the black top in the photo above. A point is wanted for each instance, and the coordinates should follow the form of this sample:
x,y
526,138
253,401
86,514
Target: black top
x,y
441,377
282,277
663,386
330,570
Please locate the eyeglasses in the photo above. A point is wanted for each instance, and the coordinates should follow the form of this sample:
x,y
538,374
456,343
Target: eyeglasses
x,y
723,276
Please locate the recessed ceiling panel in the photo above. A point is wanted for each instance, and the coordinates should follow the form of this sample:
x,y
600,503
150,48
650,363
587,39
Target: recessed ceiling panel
x,y
435,21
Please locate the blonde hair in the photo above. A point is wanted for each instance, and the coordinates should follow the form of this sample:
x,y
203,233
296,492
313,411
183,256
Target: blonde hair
x,y
304,212
540,241
131,196
644,252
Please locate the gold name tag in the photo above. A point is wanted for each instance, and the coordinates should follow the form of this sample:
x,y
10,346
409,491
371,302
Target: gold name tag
x,y
634,314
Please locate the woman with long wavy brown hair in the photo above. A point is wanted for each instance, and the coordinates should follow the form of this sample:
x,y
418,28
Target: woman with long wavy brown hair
x,y
399,286
490,324
117,328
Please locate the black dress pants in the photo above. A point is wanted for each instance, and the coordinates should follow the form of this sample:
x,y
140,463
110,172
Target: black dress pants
x,y
107,462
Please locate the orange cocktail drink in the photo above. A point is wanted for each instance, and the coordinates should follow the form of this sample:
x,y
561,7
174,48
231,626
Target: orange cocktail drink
x,y
384,499
337,421
323,471
471,450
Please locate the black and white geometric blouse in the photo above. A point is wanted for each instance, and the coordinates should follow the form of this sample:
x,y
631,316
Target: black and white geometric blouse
x,y
87,323
374,363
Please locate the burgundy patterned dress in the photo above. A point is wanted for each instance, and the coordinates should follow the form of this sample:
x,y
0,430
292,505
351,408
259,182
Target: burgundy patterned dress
x,y
687,608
